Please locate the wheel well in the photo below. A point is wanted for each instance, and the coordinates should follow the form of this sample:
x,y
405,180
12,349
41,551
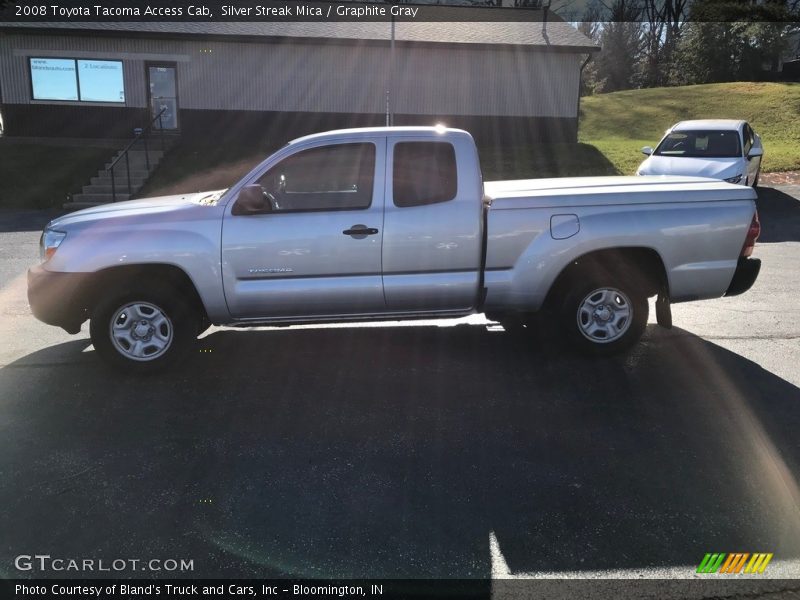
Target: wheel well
x,y
115,278
642,265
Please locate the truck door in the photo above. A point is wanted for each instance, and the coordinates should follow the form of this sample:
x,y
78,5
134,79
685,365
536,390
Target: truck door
x,y
318,251
432,225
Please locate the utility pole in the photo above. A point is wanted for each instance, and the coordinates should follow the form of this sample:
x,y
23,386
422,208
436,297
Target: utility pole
x,y
390,81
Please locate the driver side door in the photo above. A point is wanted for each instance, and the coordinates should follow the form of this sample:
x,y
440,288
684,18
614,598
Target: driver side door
x,y
318,251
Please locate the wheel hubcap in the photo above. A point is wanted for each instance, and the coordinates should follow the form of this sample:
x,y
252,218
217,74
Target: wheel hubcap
x,y
604,315
141,331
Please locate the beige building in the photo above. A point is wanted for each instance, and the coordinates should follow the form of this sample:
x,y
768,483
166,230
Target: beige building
x,y
501,81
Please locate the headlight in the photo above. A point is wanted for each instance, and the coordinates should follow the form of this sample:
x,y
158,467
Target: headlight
x,y
49,243
736,179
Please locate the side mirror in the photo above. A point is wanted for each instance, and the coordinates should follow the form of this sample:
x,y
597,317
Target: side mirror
x,y
252,200
755,151
648,150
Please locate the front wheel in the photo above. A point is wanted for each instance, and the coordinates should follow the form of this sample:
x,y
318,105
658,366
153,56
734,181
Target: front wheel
x,y
143,331
604,317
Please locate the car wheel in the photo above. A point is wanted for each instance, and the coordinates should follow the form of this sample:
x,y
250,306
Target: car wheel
x,y
604,316
143,331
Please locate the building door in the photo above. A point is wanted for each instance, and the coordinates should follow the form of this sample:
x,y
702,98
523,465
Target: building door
x,y
163,91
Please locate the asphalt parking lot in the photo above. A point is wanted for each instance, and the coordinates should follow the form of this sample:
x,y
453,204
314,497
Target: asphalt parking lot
x,y
440,450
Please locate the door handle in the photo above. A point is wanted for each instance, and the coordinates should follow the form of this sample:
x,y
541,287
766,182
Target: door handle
x,y
360,231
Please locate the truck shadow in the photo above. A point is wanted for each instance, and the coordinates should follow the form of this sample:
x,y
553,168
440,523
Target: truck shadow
x,y
398,451
779,213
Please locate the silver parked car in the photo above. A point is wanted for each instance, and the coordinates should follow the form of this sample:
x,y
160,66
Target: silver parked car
x,y
718,148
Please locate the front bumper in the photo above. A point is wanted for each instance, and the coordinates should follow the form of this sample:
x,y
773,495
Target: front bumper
x,y
744,277
57,298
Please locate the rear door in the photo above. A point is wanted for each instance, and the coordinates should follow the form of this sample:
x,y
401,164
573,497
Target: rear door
x,y
432,225
318,253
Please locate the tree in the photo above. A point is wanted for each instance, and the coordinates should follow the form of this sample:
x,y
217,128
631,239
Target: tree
x,y
730,41
590,26
621,44
662,21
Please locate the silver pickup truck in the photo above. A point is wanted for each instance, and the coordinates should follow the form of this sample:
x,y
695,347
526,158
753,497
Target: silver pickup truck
x,y
392,223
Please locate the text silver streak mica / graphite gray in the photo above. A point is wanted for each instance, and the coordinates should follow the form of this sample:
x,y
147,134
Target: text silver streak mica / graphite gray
x,y
394,222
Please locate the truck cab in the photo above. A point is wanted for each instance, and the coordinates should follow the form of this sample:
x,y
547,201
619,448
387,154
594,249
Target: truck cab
x,y
357,223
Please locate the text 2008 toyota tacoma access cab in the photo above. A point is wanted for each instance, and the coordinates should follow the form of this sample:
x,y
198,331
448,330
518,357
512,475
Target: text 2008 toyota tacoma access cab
x,y
391,223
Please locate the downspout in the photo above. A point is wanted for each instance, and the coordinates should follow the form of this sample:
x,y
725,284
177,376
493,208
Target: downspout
x,y
2,124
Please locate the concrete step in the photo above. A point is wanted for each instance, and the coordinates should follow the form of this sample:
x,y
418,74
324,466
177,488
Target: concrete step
x,y
99,198
133,153
120,167
123,175
107,189
140,164
81,205
122,186
135,158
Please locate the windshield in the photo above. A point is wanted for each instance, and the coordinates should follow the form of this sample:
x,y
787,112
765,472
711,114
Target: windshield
x,y
705,144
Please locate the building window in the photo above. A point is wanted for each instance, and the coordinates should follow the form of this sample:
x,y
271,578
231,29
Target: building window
x,y
424,173
77,80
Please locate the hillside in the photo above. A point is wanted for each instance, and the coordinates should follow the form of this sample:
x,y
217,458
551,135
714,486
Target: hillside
x,y
619,124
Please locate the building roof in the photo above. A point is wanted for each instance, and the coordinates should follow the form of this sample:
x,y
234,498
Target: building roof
x,y
553,34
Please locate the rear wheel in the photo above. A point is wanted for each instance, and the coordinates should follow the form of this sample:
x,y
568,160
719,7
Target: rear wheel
x,y
604,316
143,331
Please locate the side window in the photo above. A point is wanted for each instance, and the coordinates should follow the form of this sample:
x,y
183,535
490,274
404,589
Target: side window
x,y
338,177
748,139
423,173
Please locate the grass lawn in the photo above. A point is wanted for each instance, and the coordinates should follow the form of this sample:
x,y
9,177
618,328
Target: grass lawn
x,y
619,124
41,176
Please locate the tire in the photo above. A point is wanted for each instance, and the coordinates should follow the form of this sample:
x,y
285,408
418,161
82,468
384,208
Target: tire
x,y
162,328
603,316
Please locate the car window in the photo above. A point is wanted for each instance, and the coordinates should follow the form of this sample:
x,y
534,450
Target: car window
x,y
711,144
424,173
338,177
749,138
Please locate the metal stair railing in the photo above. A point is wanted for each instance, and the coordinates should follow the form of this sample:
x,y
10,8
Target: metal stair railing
x,y
141,134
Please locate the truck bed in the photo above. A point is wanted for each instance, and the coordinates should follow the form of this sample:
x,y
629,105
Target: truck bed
x,y
695,225
601,191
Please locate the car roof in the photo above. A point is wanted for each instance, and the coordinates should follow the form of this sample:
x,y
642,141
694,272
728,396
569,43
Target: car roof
x,y
709,124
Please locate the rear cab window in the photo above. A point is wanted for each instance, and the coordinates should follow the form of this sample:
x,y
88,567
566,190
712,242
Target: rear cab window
x,y
423,173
